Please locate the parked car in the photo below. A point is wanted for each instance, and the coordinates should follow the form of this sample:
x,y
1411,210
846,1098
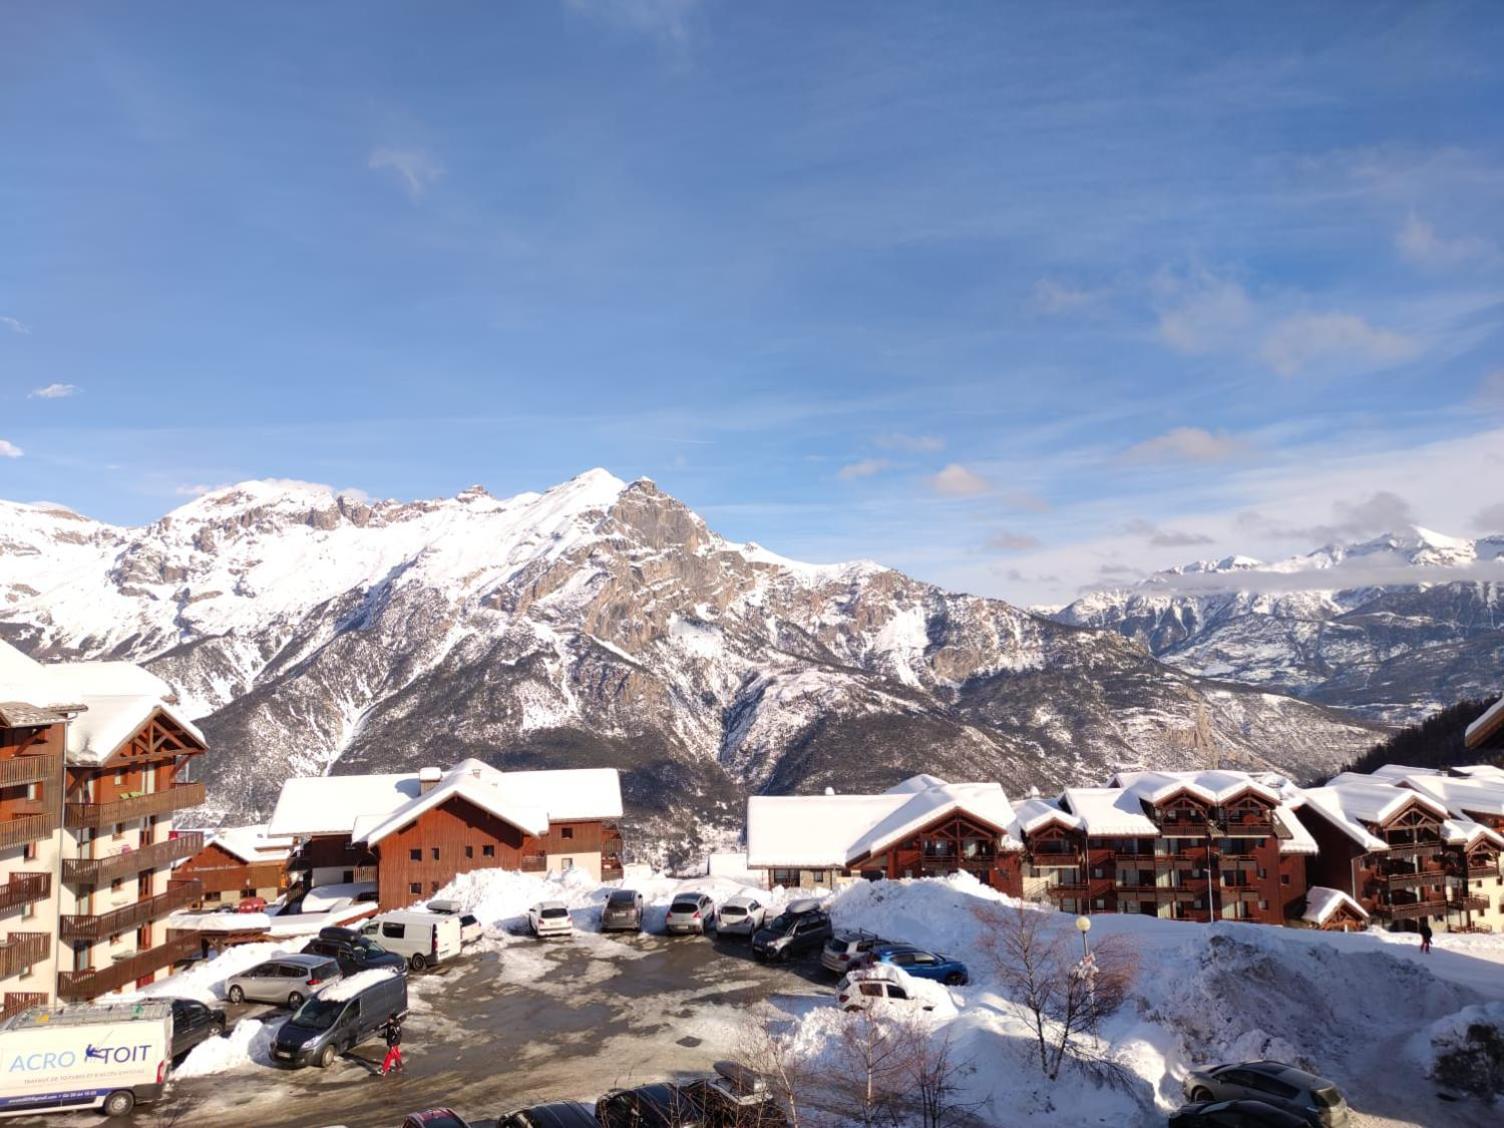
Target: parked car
x,y
661,1105
878,987
423,939
435,1118
920,964
796,930
735,1097
352,951
286,979
251,905
622,911
192,1023
845,950
470,927
741,915
1313,1098
1234,1114
341,1016
550,918
690,913
555,1114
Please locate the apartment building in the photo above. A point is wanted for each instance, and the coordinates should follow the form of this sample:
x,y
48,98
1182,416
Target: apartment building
x,y
102,811
31,774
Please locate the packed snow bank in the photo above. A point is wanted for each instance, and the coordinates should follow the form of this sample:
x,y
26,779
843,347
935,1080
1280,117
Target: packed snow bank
x,y
250,1043
353,985
205,980
1465,1051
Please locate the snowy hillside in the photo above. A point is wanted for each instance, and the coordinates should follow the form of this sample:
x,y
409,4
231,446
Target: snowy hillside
x,y
1392,628
598,623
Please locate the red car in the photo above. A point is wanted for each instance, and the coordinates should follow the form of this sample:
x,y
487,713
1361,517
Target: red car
x,y
251,905
435,1118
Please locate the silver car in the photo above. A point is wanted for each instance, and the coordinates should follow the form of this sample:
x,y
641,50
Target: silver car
x,y
690,912
1313,1098
740,915
286,980
622,912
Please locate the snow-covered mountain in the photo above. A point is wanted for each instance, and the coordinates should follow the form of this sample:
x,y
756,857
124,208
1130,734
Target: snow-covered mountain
x,y
1392,628
600,623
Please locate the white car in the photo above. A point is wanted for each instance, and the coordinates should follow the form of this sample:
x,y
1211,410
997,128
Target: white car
x,y
741,915
550,918
879,988
690,912
470,928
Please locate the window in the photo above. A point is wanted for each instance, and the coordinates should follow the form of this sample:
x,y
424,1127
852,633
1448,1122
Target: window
x,y
469,851
433,886
415,887
488,851
119,831
785,877
566,864
394,930
415,854
115,885
566,832
29,852
114,938
1284,879
433,852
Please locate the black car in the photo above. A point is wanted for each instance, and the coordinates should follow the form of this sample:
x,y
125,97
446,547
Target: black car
x,y
1235,1114
352,951
736,1097
661,1105
792,932
556,1114
192,1023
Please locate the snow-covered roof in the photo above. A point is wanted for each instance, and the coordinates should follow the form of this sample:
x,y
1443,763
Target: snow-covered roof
x,y
1211,786
830,831
1110,811
1480,771
1398,772
252,843
368,808
1465,832
353,985
1035,813
114,700
1352,803
1296,839
1461,797
1486,726
1322,902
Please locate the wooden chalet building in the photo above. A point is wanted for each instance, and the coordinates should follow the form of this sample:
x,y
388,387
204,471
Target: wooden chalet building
x,y
922,827
100,824
1332,910
410,834
239,862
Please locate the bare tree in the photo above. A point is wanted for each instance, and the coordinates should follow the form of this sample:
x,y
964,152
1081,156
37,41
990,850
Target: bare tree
x,y
869,1069
762,1048
934,1077
1034,956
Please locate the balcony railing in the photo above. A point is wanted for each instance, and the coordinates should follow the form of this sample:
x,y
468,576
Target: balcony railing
x,y
533,863
24,888
18,1001
27,828
16,770
1412,879
1066,889
75,986
92,926
174,798
1412,910
1476,904
1414,849
23,949
102,871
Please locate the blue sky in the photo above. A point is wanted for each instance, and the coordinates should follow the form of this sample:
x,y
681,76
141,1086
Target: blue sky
x,y
1017,298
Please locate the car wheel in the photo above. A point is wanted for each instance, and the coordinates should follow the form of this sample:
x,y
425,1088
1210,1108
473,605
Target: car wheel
x,y
236,994
219,1027
325,1058
418,962
294,1000
852,1010
954,979
119,1103
1199,1094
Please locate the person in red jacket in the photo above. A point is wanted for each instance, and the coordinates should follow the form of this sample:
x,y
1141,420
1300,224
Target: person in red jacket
x,y
392,1030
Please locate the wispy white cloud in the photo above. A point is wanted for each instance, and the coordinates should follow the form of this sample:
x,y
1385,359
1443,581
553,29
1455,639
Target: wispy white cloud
x,y
1344,576
865,468
1419,243
198,490
1164,538
912,444
1187,444
1490,393
15,325
10,450
668,20
1050,298
1490,519
1201,312
1005,541
1308,340
956,480
1025,499
415,169
54,391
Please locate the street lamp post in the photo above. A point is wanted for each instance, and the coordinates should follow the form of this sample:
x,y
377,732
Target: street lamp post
x,y
1083,926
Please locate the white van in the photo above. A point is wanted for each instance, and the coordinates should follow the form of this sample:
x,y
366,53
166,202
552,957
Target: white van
x,y
78,1057
426,939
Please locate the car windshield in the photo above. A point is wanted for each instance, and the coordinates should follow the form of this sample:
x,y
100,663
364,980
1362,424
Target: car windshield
x,y
1330,1098
622,900
733,910
319,1014
783,922
554,913
685,907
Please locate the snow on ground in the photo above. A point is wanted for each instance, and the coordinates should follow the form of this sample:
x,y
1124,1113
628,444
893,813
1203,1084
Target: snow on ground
x,y
205,980
250,1043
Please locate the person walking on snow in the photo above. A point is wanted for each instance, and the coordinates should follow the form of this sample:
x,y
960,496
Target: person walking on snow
x,y
1425,935
392,1030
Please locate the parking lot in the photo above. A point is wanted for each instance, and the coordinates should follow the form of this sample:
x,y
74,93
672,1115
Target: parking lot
x,y
512,1024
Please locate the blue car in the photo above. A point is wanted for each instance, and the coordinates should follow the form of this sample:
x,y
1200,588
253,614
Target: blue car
x,y
921,964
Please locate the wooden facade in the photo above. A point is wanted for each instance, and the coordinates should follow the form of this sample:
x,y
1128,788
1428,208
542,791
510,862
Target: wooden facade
x,y
1398,887
224,876
953,843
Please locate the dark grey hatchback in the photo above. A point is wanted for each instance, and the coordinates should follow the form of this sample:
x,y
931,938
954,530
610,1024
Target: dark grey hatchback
x,y
1314,1099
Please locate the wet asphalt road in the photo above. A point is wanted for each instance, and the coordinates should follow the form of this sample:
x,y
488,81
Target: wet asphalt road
x,y
567,1019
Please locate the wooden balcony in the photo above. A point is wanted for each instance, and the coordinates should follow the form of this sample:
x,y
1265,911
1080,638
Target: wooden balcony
x,y
96,926
1412,879
76,986
18,1001
27,828
175,798
17,770
23,949
24,888
1412,910
102,871
533,863
1475,904
1066,889
1414,850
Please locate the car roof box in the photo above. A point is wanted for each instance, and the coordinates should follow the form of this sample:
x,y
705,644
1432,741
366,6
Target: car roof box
x,y
740,1077
802,905
445,907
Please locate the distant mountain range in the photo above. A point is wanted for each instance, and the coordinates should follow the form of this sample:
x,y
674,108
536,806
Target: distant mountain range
x,y
603,623
1392,628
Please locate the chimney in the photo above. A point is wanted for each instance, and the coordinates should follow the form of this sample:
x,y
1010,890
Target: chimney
x,y
428,779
